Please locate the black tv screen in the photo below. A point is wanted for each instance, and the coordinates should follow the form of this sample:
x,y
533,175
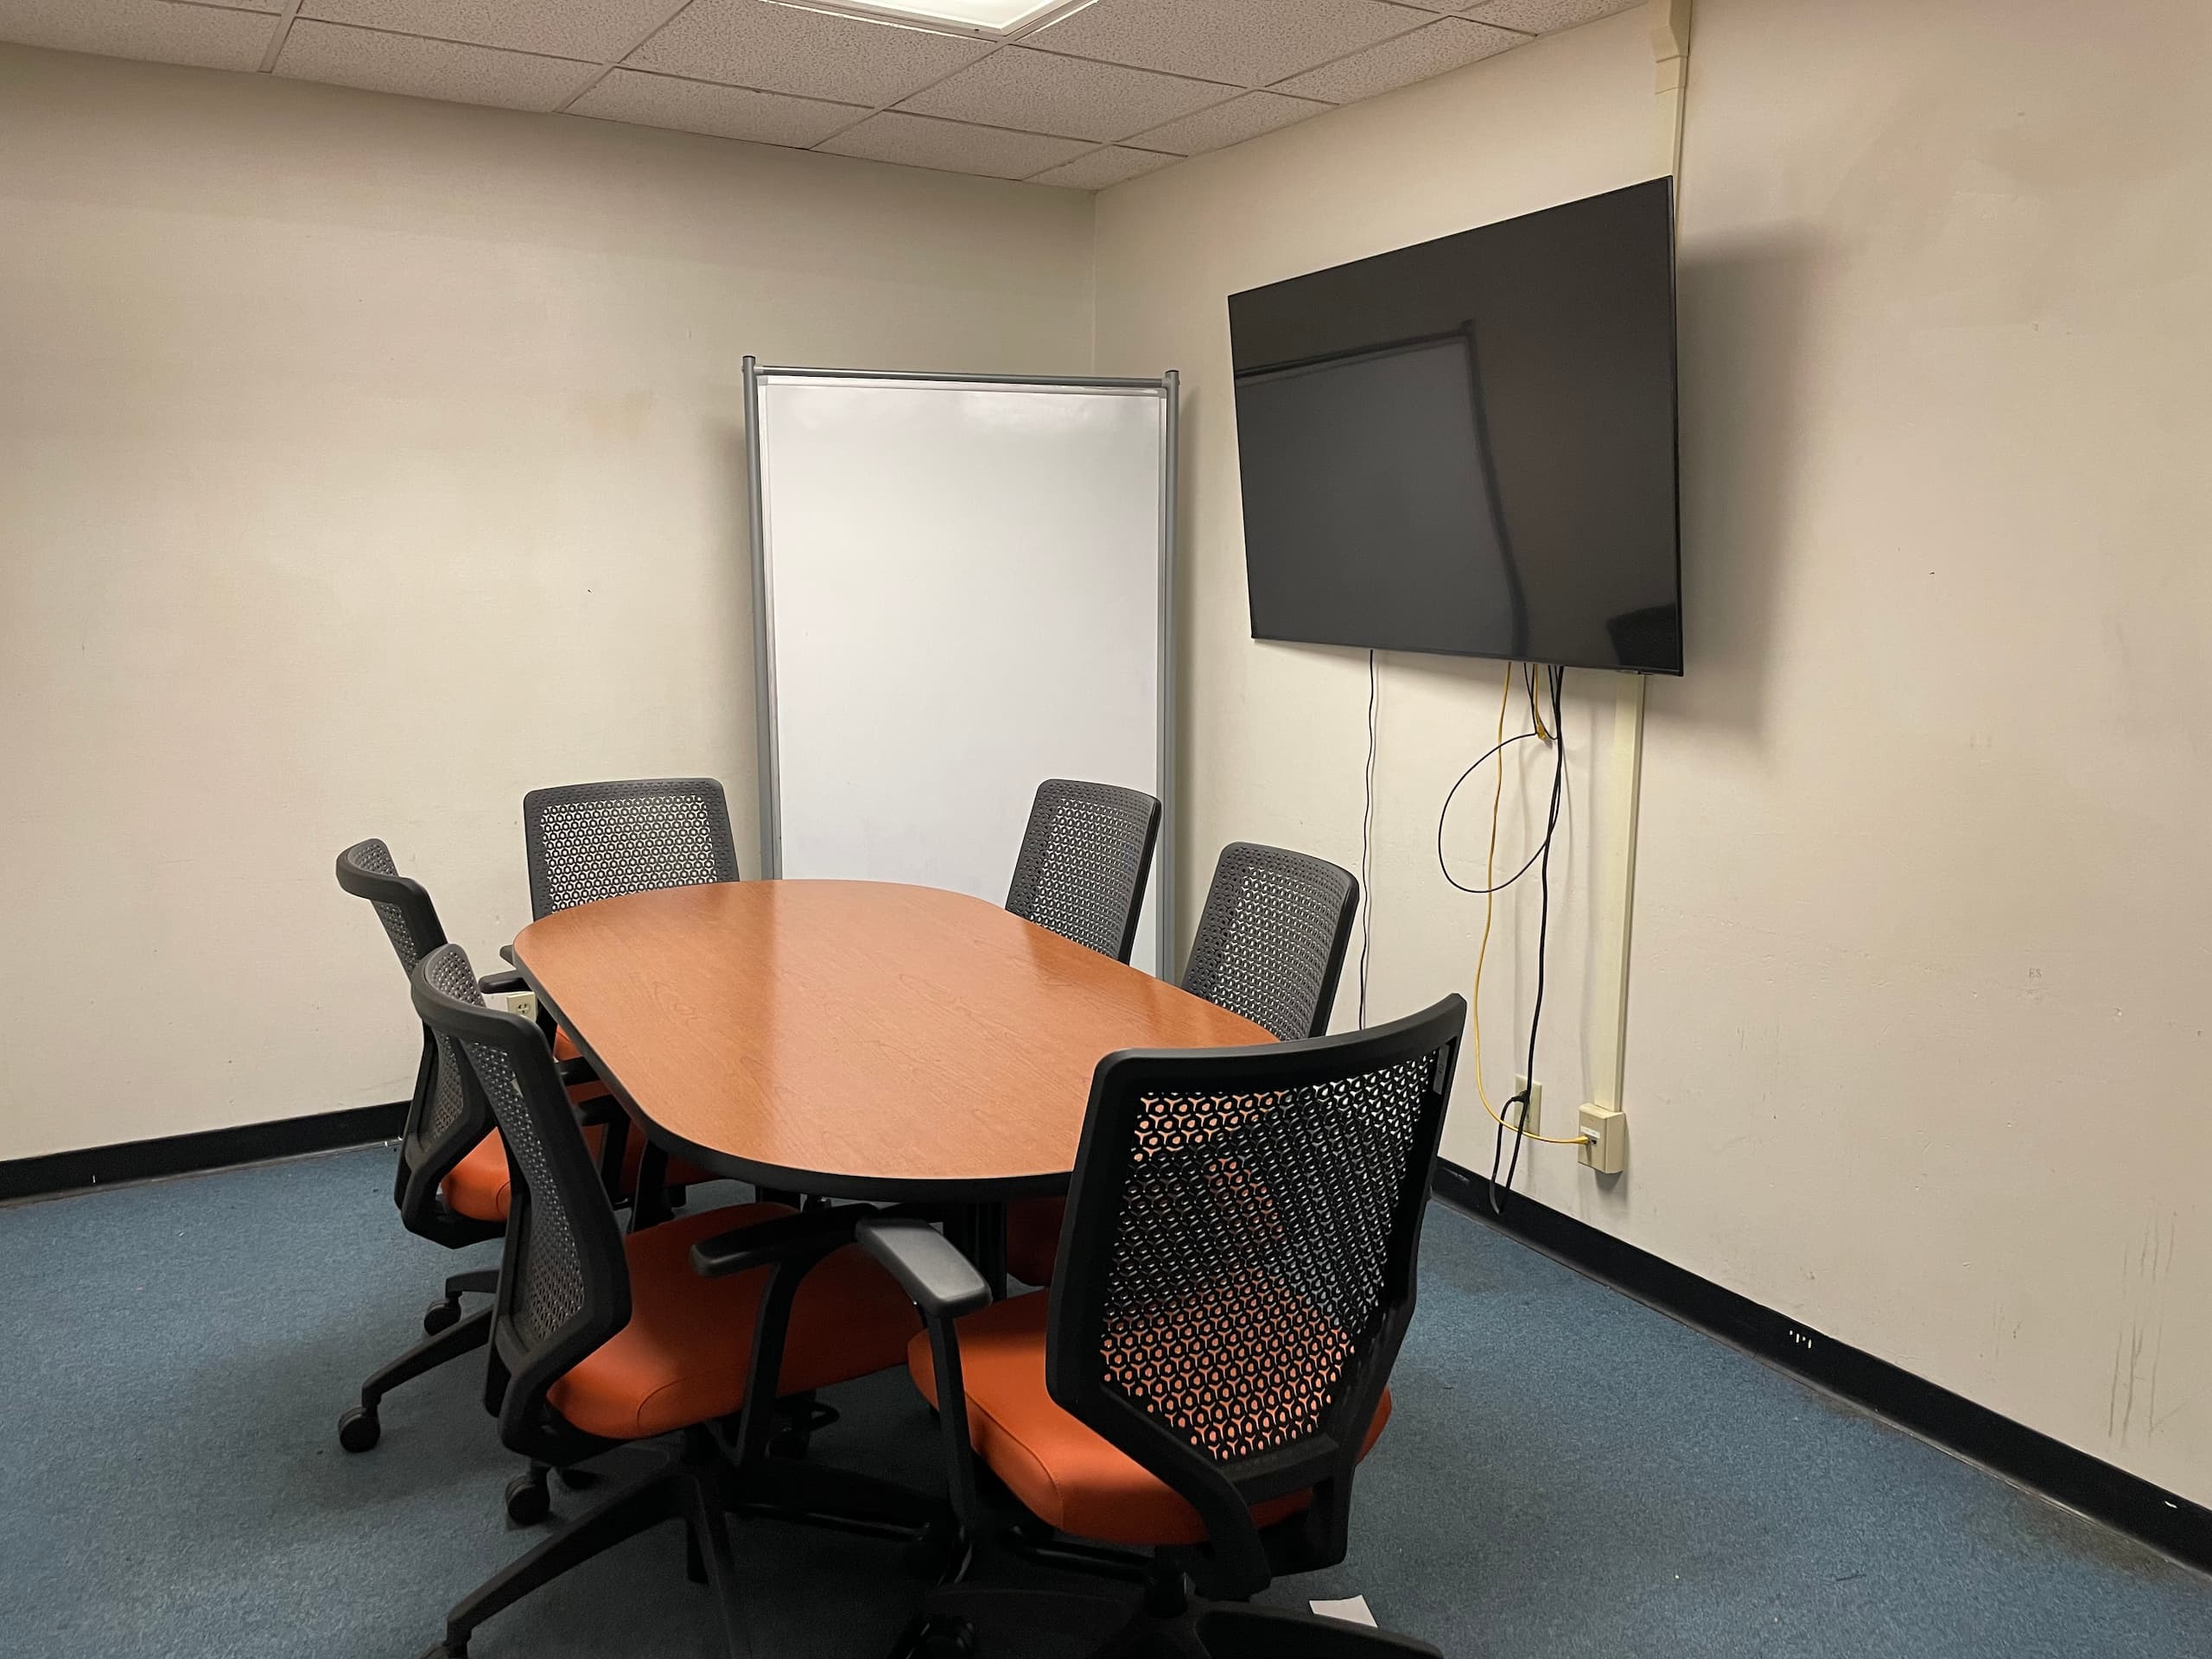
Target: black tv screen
x,y
1468,446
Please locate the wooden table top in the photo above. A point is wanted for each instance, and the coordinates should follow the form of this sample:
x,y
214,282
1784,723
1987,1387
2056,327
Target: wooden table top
x,y
855,1038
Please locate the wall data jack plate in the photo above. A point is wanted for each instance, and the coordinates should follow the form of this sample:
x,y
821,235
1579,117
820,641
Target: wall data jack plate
x,y
522,1002
1606,1150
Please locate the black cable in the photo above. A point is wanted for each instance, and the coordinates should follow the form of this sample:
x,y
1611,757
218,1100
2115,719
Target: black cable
x,y
1444,813
1519,1097
1367,849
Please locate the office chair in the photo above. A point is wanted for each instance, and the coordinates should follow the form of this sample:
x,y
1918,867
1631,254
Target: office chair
x,y
1084,858
586,842
1210,1366
452,1185
599,1339
446,1147
1270,946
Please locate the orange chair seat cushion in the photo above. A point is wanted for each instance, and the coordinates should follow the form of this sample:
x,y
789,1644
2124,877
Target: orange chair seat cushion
x,y
1065,1473
682,1358
1032,1238
477,1185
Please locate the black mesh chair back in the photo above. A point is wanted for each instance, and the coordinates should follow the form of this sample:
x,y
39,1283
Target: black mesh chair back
x,y
446,1115
1272,938
597,841
1084,860
1238,1267
410,921
564,1284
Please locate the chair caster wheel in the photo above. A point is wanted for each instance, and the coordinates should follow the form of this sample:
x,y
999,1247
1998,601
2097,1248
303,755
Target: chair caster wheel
x,y
528,1502
358,1428
441,1315
937,1636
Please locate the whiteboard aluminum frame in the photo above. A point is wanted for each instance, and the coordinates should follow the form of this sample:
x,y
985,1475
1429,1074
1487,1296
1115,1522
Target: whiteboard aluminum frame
x,y
1168,388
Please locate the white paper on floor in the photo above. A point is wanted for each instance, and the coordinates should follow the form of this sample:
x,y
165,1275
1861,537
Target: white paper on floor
x,y
1352,1610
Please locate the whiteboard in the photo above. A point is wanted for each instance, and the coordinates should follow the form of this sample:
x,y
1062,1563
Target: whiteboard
x,y
961,590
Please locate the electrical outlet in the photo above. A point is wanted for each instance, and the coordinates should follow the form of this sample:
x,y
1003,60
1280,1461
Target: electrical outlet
x,y
1530,1121
1607,1148
524,1003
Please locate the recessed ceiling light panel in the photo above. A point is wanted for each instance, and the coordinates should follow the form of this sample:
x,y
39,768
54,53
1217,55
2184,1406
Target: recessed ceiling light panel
x,y
996,20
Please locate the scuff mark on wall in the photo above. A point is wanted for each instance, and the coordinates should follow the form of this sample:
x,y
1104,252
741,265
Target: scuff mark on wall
x,y
2141,1341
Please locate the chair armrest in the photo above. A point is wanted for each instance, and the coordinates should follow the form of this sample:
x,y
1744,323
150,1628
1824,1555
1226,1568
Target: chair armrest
x,y
603,1109
600,1109
765,1243
507,954
943,1283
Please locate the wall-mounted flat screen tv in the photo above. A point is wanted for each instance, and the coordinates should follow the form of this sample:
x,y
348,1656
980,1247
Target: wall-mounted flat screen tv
x,y
1468,446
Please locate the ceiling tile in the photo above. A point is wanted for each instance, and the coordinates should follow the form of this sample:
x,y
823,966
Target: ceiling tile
x,y
1251,42
201,35
724,111
1542,16
807,54
1076,98
598,29
1442,45
401,63
1112,165
1229,123
952,146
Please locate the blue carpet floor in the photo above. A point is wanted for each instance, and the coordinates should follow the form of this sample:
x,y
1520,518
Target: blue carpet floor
x,y
1568,1474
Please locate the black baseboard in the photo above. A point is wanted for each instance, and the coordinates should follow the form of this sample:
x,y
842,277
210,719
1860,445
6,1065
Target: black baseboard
x,y
2174,1525
181,1155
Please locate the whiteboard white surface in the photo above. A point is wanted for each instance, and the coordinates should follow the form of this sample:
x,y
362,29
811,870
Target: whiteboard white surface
x,y
962,597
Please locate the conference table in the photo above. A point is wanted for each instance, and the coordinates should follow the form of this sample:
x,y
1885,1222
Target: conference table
x,y
853,1039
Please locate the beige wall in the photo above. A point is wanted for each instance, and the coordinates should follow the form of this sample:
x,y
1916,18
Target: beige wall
x,y
364,462
1918,1024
